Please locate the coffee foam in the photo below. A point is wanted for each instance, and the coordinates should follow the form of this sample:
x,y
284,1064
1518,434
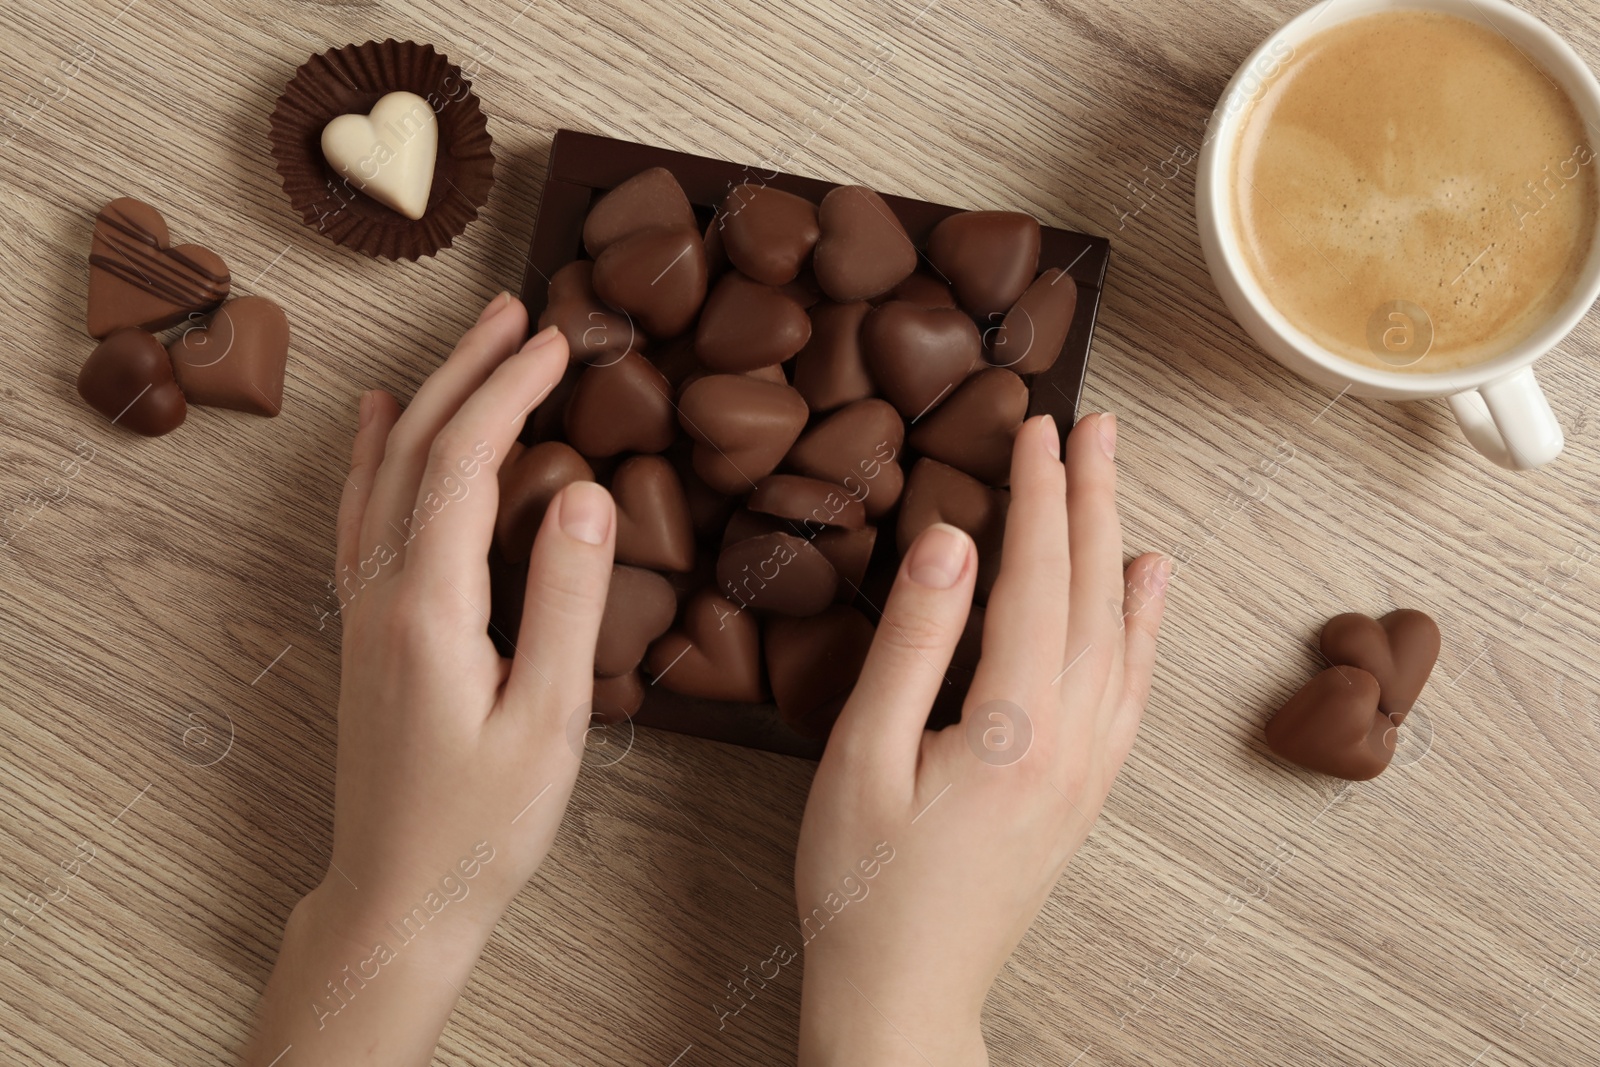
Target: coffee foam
x,y
1414,163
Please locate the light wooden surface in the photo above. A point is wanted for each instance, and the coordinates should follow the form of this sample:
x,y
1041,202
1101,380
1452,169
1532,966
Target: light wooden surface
x,y
1227,910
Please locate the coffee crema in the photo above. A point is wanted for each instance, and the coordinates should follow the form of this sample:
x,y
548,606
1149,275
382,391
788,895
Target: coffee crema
x,y
1413,193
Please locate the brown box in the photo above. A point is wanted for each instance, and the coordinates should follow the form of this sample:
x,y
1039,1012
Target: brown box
x,y
583,167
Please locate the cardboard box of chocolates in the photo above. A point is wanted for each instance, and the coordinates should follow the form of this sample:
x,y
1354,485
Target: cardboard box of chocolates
x,y
782,381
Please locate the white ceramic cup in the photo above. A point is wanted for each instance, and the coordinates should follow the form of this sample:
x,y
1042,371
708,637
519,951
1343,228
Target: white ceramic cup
x,y
1498,402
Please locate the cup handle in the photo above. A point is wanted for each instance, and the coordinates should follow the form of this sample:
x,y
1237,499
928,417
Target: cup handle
x,y
1510,421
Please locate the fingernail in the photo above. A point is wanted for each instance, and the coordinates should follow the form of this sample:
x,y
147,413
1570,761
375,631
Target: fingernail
x,y
494,307
938,557
1050,434
1106,429
542,338
365,409
1158,581
586,512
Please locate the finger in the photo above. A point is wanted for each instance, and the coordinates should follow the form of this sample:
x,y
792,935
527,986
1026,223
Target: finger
x,y
452,519
882,722
1025,626
1096,541
568,574
482,348
1144,604
377,417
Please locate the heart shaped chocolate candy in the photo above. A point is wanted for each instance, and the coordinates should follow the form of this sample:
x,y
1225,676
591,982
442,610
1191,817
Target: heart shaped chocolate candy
x,y
939,493
594,332
767,232
830,370
807,501
849,551
624,406
237,359
742,426
923,290
1030,337
388,153
858,449
814,663
863,251
651,199
528,482
918,356
657,276
973,430
653,524
136,280
988,256
777,572
715,655
747,325
1333,726
640,605
1399,650
616,699
128,379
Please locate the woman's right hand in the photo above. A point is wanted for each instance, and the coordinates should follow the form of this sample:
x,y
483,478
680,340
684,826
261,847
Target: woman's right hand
x,y
924,856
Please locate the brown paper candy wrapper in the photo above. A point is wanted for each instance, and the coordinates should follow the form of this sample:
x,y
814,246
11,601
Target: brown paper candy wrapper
x,y
350,80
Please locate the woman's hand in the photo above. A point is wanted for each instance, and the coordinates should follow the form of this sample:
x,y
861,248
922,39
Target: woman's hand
x,y
924,857
454,765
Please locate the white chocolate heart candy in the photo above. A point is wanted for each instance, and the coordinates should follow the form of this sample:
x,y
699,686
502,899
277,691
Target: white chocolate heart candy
x,y
389,152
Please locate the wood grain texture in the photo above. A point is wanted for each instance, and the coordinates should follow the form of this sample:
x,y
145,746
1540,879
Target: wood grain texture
x,y
1228,909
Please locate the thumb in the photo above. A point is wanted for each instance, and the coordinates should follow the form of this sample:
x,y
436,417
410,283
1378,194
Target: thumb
x,y
569,572
881,724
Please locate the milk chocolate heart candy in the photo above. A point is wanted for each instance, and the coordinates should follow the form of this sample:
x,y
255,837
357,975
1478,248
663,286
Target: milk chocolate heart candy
x,y
715,655
1333,726
974,429
777,572
857,448
651,199
767,232
809,502
640,605
136,280
863,250
923,290
939,493
850,551
657,276
742,426
813,664
528,482
594,332
830,370
747,325
1030,337
237,359
389,153
744,523
616,699
654,528
128,379
624,406
1399,650
918,356
989,257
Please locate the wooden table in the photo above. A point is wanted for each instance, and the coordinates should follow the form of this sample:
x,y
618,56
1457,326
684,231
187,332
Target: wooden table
x,y
163,597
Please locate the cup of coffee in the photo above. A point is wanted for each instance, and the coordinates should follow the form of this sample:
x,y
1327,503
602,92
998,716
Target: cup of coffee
x,y
1399,198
